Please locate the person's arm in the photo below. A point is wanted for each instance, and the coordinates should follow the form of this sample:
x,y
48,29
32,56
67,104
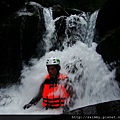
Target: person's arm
x,y
35,100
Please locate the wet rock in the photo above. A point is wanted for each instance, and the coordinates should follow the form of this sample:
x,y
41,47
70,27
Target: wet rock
x,y
105,108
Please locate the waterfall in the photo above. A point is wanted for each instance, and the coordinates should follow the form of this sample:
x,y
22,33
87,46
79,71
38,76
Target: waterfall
x,y
91,28
92,80
75,29
50,28
80,28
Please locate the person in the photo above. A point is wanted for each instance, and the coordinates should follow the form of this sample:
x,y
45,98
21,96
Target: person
x,y
56,91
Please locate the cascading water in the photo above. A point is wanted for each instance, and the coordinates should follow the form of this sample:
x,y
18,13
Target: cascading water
x,y
76,26
92,80
91,29
50,28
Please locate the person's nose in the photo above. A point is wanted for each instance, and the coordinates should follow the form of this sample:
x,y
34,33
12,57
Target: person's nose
x,y
50,70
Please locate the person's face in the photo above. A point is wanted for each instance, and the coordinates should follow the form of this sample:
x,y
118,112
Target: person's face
x,y
52,70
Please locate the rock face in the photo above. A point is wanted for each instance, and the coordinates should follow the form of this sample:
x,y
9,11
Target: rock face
x,y
20,36
8,7
84,5
106,108
108,32
108,17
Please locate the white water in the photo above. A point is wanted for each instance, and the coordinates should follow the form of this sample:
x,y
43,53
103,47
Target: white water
x,y
50,28
95,85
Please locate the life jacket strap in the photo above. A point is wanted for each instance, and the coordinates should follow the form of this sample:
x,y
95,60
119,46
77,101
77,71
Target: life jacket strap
x,y
54,99
52,104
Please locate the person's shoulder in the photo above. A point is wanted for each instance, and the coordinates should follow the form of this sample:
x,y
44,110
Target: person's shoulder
x,y
62,76
47,77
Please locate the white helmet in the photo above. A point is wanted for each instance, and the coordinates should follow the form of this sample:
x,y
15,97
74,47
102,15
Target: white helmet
x,y
53,61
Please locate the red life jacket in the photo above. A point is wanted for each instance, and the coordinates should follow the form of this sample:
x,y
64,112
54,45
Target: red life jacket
x,y
54,95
